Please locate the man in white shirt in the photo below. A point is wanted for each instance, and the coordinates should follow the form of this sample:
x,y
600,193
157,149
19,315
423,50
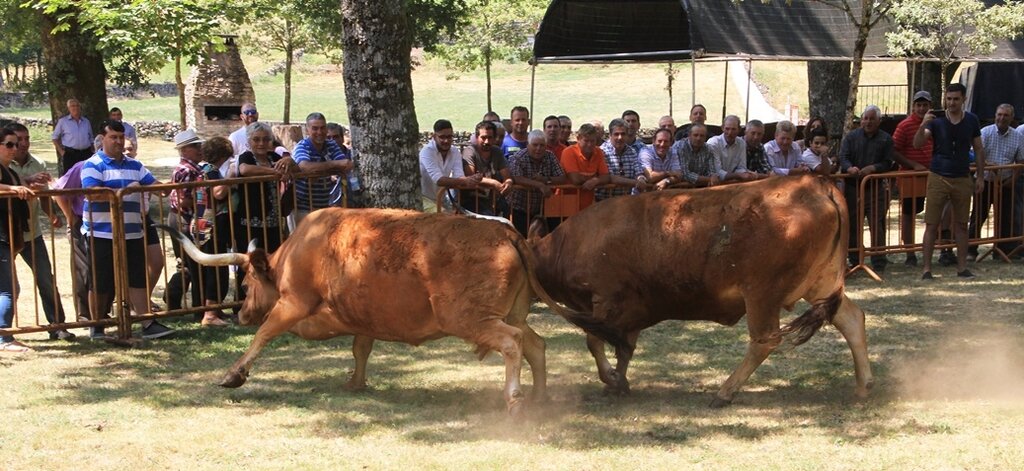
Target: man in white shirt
x,y
732,152
238,139
441,165
782,154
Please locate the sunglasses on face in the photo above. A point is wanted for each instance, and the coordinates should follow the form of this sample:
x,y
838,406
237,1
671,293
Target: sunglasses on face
x,y
250,112
10,144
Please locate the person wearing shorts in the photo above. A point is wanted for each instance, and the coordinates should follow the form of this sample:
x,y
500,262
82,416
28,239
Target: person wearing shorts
x,y
110,168
953,135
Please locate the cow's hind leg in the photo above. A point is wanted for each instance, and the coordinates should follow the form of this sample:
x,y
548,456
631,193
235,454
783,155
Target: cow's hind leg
x,y
763,326
533,345
850,322
533,350
280,319
507,340
361,348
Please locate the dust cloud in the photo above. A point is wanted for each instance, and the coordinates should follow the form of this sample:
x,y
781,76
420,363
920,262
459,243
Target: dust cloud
x,y
985,366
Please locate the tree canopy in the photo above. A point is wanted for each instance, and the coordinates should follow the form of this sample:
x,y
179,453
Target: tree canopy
x,y
942,30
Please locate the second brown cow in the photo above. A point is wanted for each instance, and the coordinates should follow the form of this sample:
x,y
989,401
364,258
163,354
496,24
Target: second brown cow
x,y
713,254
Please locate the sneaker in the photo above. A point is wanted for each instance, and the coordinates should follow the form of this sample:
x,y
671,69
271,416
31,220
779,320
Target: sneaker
x,y
62,334
156,330
965,274
911,260
14,346
927,276
947,259
96,333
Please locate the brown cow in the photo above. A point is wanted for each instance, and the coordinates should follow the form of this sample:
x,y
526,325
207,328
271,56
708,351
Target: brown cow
x,y
393,275
713,254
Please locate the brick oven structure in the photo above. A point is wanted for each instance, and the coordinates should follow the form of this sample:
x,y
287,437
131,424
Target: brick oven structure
x,y
216,90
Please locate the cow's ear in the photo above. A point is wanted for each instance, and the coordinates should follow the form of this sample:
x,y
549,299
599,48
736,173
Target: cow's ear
x,y
259,262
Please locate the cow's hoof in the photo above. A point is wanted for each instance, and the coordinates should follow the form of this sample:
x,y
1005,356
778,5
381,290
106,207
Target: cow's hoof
x,y
718,403
610,378
233,379
517,411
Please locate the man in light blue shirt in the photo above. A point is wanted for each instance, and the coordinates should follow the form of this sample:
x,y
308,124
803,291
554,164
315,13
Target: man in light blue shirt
x,y
72,137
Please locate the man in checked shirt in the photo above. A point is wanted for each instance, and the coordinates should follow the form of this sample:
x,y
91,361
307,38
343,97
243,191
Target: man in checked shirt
x,y
537,168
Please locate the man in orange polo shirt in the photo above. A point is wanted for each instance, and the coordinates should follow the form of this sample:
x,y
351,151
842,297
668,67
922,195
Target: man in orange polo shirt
x,y
584,164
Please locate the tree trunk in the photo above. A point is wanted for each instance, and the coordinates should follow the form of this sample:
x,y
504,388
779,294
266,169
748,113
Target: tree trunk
x,y
828,84
378,91
183,116
859,45
487,70
671,77
74,69
289,52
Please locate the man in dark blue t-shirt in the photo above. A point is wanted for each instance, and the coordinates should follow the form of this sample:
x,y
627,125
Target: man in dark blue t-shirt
x,y
954,134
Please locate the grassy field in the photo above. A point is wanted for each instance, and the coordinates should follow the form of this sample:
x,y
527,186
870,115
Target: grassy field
x,y
948,357
583,92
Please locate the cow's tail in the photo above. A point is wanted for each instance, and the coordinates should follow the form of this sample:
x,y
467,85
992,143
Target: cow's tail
x,y
579,319
804,327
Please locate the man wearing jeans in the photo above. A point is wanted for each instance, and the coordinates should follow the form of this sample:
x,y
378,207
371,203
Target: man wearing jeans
x,y
33,173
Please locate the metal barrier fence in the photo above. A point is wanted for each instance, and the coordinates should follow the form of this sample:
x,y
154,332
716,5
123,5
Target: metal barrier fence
x,y
897,225
259,199
252,208
891,99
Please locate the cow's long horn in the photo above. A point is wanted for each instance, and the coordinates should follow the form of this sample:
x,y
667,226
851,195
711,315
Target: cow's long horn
x,y
252,246
202,258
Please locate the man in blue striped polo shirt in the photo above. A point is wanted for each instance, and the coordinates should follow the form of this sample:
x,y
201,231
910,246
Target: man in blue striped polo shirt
x,y
312,154
109,168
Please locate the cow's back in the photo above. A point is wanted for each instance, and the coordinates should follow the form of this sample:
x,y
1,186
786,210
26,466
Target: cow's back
x,y
692,254
397,275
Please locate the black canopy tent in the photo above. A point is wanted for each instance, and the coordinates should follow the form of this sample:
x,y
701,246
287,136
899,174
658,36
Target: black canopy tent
x,y
602,31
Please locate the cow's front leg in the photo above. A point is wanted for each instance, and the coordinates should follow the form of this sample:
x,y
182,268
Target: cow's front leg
x,y
623,355
282,317
361,348
763,326
605,371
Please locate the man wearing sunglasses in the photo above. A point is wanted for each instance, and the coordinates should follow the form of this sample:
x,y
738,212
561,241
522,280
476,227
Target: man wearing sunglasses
x,y
238,139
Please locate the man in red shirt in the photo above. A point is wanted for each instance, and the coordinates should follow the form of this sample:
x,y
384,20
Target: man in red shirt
x,y
912,190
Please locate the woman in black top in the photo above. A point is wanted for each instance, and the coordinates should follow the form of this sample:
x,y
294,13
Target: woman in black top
x,y
260,210
13,222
